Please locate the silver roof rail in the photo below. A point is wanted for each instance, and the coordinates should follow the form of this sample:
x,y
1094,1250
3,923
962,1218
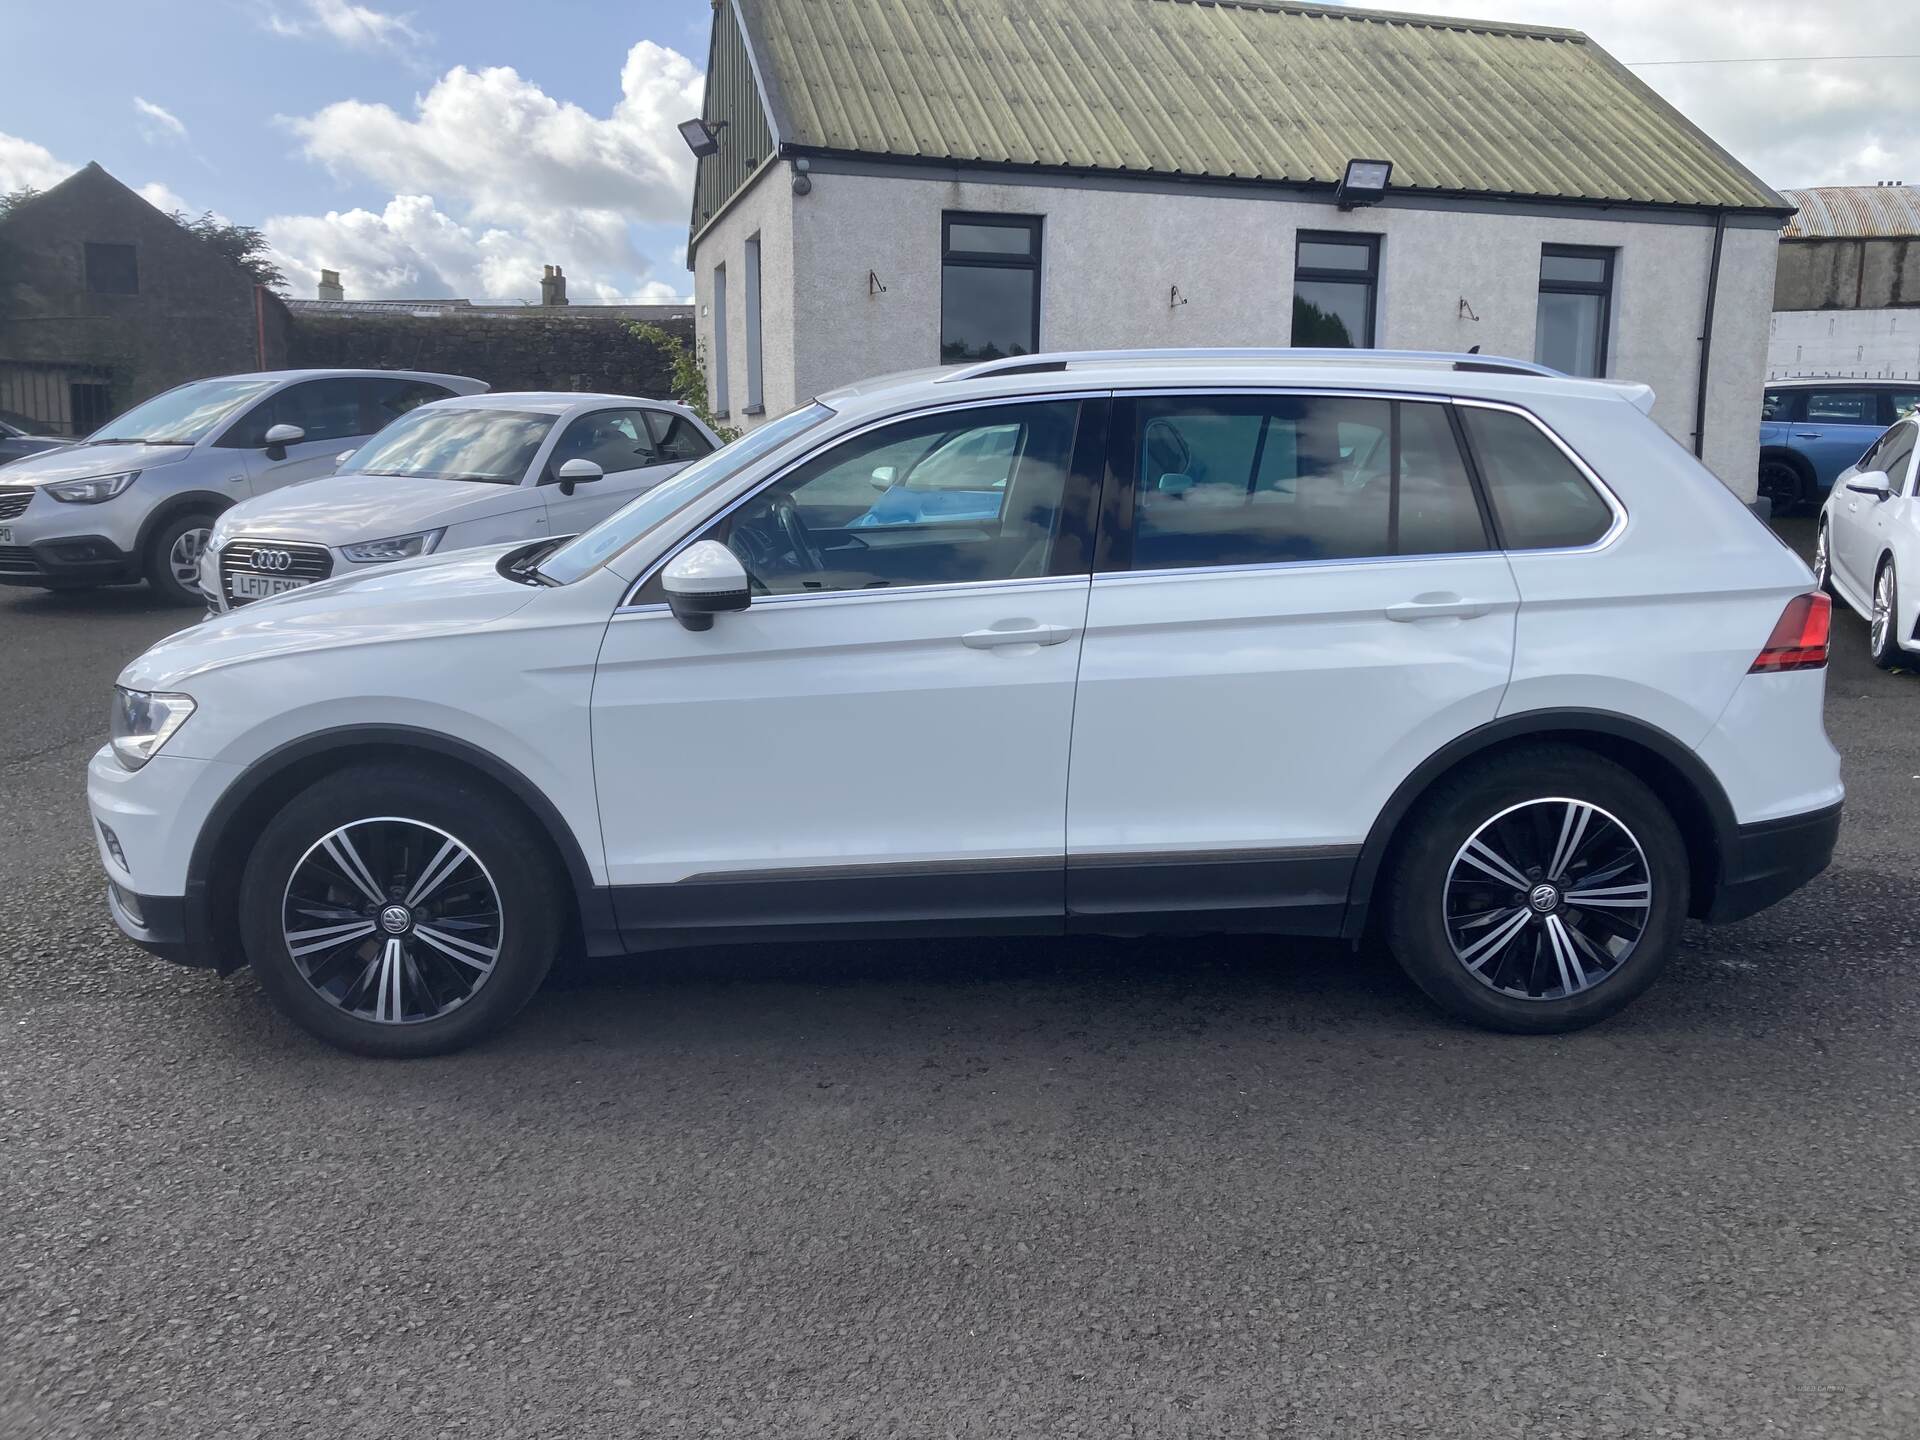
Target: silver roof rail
x,y
1060,360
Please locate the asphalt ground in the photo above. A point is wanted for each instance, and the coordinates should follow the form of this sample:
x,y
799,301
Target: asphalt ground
x,y
1212,1188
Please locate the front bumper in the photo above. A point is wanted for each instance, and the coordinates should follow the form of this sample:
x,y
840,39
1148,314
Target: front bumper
x,y
1768,861
68,561
146,823
53,545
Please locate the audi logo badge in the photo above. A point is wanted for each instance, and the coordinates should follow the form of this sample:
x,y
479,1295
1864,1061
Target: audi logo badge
x,y
272,560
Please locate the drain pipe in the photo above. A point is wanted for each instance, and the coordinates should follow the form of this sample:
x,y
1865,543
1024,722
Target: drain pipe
x,y
1706,337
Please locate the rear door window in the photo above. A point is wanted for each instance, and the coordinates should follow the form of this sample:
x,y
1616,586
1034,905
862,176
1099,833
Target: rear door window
x,y
678,437
1540,499
1843,407
1248,480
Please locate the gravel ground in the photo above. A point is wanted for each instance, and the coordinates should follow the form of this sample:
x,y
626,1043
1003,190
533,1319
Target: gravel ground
x,y
1211,1188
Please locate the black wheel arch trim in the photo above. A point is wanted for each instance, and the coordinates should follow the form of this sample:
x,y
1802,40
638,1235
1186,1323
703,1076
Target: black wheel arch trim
x,y
190,502
204,932
1568,723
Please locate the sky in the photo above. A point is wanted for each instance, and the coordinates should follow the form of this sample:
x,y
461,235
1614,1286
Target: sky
x,y
454,147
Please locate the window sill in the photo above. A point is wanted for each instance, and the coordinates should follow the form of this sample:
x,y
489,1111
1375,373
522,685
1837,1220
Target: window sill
x,y
723,414
754,410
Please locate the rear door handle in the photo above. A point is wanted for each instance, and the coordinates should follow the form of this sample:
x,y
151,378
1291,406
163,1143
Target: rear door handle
x,y
1438,607
1808,434
1015,632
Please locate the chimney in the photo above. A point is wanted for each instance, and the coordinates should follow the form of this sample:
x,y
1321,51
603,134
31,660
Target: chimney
x,y
553,286
329,287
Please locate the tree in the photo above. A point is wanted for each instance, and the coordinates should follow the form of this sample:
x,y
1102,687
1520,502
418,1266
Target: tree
x,y
244,245
13,199
687,375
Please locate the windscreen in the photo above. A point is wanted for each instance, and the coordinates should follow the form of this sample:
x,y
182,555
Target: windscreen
x,y
493,447
620,529
181,417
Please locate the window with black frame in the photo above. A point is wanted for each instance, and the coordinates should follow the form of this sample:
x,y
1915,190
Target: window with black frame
x,y
1336,281
989,286
1576,302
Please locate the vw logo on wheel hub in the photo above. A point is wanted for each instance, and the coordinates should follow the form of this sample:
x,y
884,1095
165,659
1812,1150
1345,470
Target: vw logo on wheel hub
x,y
272,560
395,919
1544,898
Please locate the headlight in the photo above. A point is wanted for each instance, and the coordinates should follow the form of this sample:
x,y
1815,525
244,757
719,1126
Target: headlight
x,y
222,531
143,721
394,547
93,489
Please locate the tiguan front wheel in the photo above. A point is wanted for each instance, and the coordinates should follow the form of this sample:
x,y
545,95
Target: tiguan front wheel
x,y
399,911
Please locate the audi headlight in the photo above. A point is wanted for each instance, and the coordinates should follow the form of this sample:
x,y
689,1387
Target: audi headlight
x,y
143,721
394,547
93,489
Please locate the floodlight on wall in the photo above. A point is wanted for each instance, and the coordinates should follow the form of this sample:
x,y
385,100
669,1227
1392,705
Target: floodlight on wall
x,y
702,136
1364,183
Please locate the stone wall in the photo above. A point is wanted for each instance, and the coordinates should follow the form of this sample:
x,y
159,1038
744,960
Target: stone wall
x,y
532,348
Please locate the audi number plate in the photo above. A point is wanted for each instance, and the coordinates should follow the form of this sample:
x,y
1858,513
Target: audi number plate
x,y
243,586
6,534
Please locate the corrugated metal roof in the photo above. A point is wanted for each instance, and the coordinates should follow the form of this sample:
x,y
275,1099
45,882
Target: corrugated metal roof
x,y
1849,212
1233,90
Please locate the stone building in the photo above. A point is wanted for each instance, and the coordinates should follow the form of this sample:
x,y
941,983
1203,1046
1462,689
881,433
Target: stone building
x,y
104,300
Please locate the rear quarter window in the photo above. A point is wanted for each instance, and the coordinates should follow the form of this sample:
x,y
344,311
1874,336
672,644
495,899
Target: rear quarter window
x,y
1540,499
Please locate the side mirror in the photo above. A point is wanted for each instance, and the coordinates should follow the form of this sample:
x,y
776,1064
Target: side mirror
x,y
278,437
1174,484
1871,482
883,477
578,472
704,580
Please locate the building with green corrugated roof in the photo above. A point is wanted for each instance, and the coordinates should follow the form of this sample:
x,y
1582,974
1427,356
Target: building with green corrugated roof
x,y
893,184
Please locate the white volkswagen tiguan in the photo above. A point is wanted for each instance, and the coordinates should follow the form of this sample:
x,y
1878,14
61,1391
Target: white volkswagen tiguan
x,y
1300,643
472,470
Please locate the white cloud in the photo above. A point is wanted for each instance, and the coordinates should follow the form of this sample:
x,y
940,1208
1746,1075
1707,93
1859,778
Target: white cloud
x,y
504,147
1794,123
526,180
23,165
164,198
157,123
358,27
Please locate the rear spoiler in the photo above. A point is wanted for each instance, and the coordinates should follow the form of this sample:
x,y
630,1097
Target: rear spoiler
x,y
1634,393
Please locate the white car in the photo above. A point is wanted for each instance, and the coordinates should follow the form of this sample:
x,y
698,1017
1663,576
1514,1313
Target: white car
x,y
1293,642
1867,550
475,470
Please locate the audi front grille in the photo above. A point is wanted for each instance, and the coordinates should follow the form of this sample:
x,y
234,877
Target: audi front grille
x,y
13,500
282,559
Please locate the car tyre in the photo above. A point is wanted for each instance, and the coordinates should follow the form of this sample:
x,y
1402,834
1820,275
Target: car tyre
x,y
1785,484
400,911
1563,820
1823,560
1883,639
172,559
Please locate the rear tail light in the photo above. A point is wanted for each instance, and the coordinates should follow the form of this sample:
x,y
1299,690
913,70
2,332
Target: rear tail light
x,y
1799,639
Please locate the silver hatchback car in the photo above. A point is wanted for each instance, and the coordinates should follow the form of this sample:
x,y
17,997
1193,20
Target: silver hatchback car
x,y
137,499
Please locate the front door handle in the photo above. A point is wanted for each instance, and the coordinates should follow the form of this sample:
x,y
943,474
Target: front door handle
x,y
1015,632
1441,606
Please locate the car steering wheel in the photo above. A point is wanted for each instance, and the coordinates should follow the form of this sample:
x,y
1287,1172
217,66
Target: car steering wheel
x,y
784,513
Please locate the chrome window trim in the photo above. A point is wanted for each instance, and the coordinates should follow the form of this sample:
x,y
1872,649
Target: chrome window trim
x,y
891,592
932,407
